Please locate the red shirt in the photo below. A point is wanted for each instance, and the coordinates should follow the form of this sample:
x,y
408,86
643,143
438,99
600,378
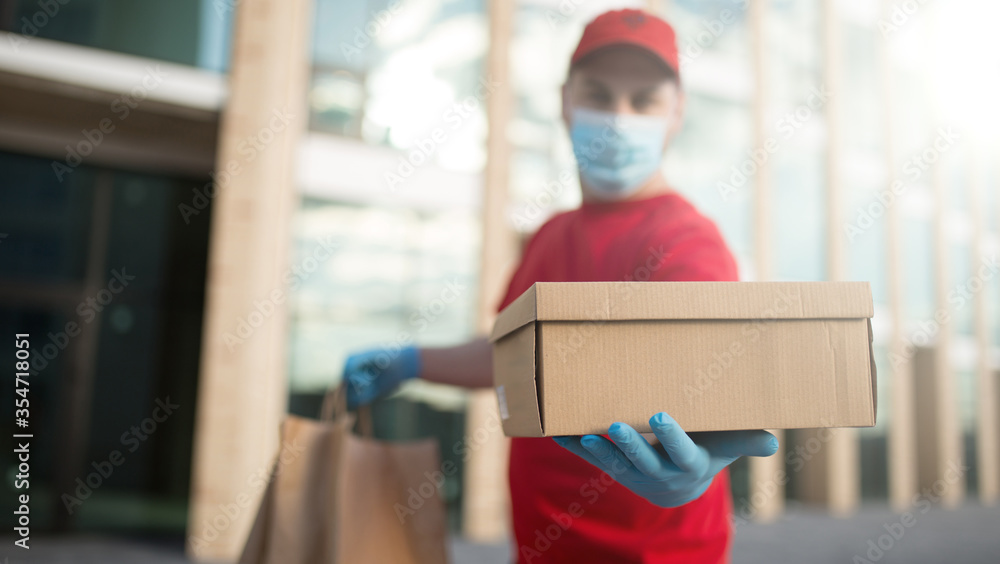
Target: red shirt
x,y
564,509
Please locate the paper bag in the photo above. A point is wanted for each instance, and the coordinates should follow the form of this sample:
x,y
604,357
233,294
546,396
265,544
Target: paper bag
x,y
339,498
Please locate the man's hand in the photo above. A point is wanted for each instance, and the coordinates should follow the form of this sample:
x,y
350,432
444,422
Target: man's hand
x,y
372,374
676,471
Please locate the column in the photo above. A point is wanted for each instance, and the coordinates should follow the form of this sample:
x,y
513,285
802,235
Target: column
x,y
833,476
486,493
767,475
901,439
242,392
987,437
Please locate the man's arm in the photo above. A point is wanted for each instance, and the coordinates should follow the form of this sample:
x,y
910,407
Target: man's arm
x,y
469,365
374,373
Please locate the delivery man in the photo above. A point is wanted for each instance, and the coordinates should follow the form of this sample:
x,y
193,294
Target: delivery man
x,y
616,499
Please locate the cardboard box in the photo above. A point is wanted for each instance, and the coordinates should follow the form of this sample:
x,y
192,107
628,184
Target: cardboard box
x,y
571,358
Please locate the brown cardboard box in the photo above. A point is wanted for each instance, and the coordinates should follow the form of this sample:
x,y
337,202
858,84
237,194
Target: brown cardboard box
x,y
571,358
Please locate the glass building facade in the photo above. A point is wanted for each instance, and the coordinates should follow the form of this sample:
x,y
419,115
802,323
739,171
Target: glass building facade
x,y
392,173
880,104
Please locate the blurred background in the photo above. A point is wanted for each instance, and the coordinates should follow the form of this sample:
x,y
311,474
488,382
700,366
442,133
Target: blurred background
x,y
210,203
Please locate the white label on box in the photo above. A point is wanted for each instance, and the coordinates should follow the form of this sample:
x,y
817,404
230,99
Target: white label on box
x,y
502,397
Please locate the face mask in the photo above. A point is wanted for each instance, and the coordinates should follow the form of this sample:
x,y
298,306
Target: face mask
x,y
616,153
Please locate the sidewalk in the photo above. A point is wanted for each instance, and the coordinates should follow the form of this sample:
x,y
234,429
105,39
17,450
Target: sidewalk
x,y
969,535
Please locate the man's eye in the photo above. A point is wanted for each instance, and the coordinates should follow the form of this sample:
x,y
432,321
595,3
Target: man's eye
x,y
600,97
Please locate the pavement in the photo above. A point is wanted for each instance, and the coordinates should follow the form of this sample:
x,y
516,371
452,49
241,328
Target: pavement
x,y
968,535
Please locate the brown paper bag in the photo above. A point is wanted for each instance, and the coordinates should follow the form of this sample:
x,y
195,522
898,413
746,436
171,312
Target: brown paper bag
x,y
339,498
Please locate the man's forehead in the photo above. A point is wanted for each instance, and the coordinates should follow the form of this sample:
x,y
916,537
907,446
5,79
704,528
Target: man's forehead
x,y
639,86
623,62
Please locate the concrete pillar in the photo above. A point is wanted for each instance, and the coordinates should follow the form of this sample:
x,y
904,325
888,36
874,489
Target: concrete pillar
x,y
486,492
833,477
242,392
987,408
901,440
767,475
939,448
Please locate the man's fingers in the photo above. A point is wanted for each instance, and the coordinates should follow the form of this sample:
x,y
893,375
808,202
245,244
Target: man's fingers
x,y
724,447
598,451
613,460
573,445
698,453
738,443
638,450
683,452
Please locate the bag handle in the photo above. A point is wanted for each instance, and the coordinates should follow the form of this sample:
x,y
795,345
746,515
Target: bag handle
x,y
366,424
334,403
335,406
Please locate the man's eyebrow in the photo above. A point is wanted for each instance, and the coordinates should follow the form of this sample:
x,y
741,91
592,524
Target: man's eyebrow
x,y
594,83
649,91
652,89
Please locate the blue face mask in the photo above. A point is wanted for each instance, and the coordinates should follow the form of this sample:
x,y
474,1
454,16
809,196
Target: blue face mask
x,y
616,153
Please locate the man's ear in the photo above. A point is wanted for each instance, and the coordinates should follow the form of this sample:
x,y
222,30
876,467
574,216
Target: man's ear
x,y
677,117
565,103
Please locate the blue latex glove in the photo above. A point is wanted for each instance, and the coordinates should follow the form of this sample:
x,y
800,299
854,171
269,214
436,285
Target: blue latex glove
x,y
374,373
676,471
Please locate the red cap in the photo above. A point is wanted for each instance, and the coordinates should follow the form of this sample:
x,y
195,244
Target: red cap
x,y
629,27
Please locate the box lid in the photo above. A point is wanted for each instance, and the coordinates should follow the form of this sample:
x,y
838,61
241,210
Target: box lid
x,y
622,301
